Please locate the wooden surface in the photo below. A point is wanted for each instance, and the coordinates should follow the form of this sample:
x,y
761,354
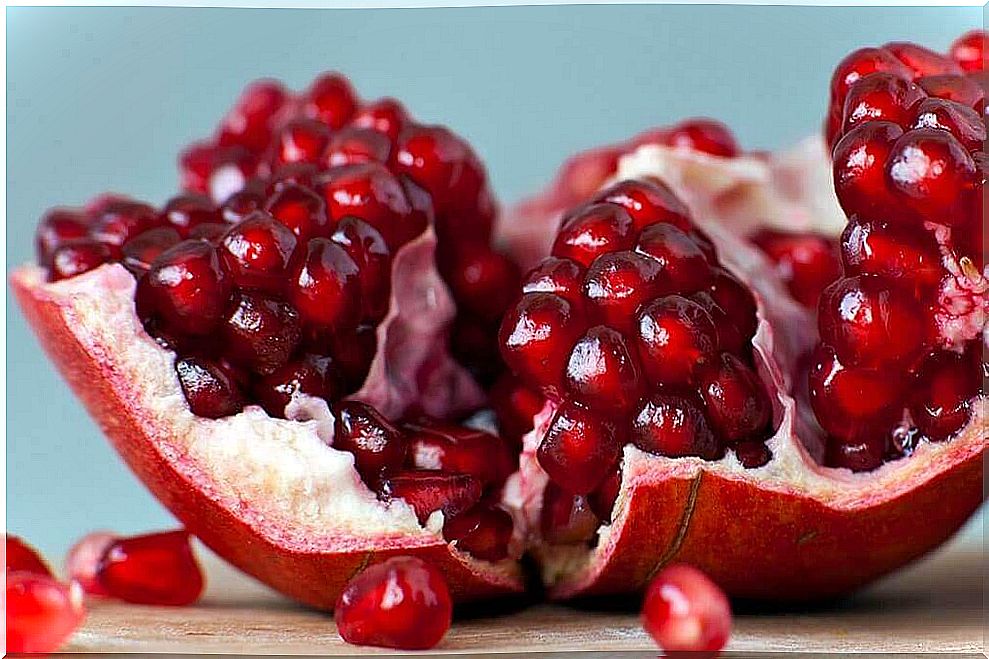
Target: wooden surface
x,y
935,606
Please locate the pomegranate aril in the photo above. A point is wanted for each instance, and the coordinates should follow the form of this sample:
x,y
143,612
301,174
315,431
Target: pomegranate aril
x,y
806,262
57,226
366,246
301,210
41,613
881,97
685,267
208,389
243,203
211,232
249,122
324,286
960,89
561,276
514,405
908,254
705,135
21,557
141,251
229,171
602,372
117,220
961,121
157,568
385,115
752,454
483,532
186,211
565,518
352,146
331,100
83,560
426,492
859,170
256,252
860,64
686,612
580,448
593,230
674,426
940,401
303,174
617,284
647,202
735,399
863,453
583,174
311,375
730,339
434,446
187,287
300,140
737,301
353,352
376,444
602,500
674,336
483,282
922,61
259,332
402,603
969,50
536,337
76,256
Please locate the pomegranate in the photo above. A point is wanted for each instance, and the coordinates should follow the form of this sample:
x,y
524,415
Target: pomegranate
x,y
686,613
402,603
41,612
255,343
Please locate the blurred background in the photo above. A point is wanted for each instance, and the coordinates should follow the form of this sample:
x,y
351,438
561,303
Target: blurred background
x,y
103,98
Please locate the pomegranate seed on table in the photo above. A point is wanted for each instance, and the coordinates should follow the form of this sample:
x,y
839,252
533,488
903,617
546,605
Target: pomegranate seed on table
x,y
686,613
402,603
156,569
83,560
21,557
41,613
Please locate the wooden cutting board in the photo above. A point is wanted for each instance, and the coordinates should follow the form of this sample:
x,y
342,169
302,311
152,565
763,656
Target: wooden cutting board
x,y
934,607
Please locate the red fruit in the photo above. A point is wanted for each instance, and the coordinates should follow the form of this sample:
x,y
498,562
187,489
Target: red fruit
x,y
187,287
301,210
352,146
158,569
752,454
377,445
940,401
922,61
601,371
737,301
685,612
591,231
648,202
426,492
881,97
256,252
860,173
617,284
906,254
566,518
536,337
402,603
83,561
482,532
311,375
583,175
241,204
453,449
674,426
674,336
76,256
41,613
870,322
184,212
249,122
140,252
806,262
685,267
968,50
331,100
21,557
259,333
208,389
386,115
57,226
580,448
300,140
324,286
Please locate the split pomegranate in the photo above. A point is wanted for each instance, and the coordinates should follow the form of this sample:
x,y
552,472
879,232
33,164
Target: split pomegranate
x,y
403,603
21,557
41,612
686,613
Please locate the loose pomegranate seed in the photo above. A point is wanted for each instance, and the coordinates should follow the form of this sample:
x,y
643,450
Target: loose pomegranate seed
x,y
705,135
482,532
906,254
602,500
536,337
259,333
515,405
580,448
870,322
683,260
426,492
300,140
881,97
922,61
256,252
674,426
806,262
21,557
686,612
735,399
331,100
648,202
483,282
941,399
184,212
377,445
312,375
41,612
617,284
187,287
434,446
57,226
76,256
209,390
353,146
386,115
561,276
141,251
968,51
301,210
602,373
402,603
83,560
859,165
324,285
249,123
674,336
158,569
566,519
864,453
593,230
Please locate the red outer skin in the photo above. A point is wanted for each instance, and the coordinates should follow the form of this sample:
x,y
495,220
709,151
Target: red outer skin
x,y
314,576
767,544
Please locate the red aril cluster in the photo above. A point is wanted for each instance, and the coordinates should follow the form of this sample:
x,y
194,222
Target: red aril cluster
x,y
900,328
639,335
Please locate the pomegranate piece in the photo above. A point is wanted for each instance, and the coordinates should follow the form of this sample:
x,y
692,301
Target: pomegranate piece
x,y
21,557
256,252
579,449
208,389
933,174
685,612
806,262
734,399
536,337
434,446
617,284
300,209
115,220
300,140
482,532
402,603
41,612
682,256
259,333
187,288
860,173
601,372
249,122
377,445
561,276
158,569
903,253
83,560
426,492
881,97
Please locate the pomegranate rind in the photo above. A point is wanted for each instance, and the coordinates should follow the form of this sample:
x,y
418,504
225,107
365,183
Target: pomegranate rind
x,y
268,495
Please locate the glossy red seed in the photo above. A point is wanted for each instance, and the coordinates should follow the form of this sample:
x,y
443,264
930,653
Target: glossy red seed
x,y
602,500
730,339
961,121
648,202
402,603
737,301
444,165
41,613
969,50
324,285
871,322
331,100
593,230
352,146
352,351
908,254
426,492
367,247
685,267
934,175
241,204
21,557
435,446
259,332
376,444
157,568
705,135
301,210
602,372
515,405
864,453
806,262
580,448
617,284
565,518
257,251
859,169
311,375
922,61
300,140
859,64
83,560
735,399
752,454
536,337
385,115
248,124
76,256
483,532
940,401
140,252
186,211
561,276
685,612
208,389
674,426
673,337
116,220
230,169
881,97
57,226
960,89
484,282
187,287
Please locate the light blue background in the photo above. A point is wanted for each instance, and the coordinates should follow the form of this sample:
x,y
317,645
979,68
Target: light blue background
x,y
101,99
